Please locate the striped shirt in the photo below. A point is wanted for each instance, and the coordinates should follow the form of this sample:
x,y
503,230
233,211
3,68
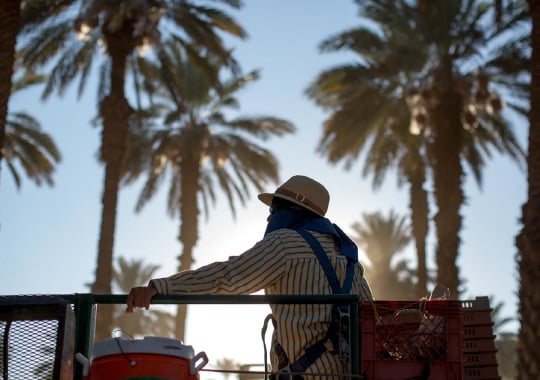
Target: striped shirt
x,y
281,263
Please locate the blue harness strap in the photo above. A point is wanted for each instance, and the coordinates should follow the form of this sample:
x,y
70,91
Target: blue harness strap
x,y
327,266
315,351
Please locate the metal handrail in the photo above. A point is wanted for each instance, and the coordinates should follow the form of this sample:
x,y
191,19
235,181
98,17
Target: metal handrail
x,y
85,308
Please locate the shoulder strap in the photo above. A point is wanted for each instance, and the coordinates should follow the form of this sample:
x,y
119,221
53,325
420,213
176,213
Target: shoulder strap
x,y
327,266
347,284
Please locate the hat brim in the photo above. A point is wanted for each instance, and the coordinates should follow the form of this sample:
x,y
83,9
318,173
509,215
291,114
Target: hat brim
x,y
266,198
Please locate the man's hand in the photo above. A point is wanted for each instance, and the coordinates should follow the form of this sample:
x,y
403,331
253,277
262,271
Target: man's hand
x,y
140,297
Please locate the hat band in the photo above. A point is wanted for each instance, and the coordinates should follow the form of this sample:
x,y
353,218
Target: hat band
x,y
300,198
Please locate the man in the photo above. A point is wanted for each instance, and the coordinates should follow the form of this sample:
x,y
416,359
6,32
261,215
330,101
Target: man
x,y
283,262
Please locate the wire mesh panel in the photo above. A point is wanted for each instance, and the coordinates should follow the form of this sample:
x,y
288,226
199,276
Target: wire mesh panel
x,y
30,349
36,338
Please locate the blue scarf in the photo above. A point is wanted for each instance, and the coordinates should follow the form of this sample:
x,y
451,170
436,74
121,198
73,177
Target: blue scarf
x,y
296,219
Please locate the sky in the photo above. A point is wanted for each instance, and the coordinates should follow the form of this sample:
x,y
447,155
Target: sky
x,y
48,236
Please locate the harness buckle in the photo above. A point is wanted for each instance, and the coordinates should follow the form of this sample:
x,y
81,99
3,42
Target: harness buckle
x,y
287,368
286,373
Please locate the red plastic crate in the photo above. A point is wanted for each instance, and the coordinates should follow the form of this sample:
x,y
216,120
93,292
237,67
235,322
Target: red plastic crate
x,y
481,373
479,345
477,317
480,359
398,338
477,312
479,303
478,332
408,369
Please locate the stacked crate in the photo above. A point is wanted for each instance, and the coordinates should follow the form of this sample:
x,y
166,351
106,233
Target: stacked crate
x,y
411,339
479,352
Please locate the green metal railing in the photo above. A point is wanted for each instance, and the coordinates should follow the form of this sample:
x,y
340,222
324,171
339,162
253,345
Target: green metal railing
x,y
85,308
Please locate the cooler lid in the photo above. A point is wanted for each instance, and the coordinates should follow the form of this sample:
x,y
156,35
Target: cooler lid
x,y
148,345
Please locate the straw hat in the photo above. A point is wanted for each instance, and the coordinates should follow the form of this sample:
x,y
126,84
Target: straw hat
x,y
303,191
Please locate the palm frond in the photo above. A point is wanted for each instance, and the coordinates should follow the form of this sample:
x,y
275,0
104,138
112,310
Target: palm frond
x,y
36,12
74,61
31,148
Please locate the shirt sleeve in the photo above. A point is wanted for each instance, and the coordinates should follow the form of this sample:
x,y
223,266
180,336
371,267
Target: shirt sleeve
x,y
253,270
362,285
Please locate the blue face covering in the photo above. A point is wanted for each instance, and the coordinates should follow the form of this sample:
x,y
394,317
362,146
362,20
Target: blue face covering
x,y
298,219
286,217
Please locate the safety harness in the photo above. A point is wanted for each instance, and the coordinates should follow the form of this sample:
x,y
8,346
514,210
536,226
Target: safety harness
x,y
338,330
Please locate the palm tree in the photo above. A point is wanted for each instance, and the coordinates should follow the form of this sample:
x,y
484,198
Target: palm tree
x,y
26,144
459,106
155,322
405,151
10,13
201,147
227,365
498,320
121,27
399,87
528,240
382,238
414,169
393,147
19,18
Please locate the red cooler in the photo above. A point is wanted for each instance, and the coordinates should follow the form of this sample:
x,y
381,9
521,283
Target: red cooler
x,y
149,358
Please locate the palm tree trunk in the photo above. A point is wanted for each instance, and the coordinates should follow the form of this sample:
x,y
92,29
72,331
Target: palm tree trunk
x,y
447,175
104,269
420,222
115,111
189,233
528,240
10,14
